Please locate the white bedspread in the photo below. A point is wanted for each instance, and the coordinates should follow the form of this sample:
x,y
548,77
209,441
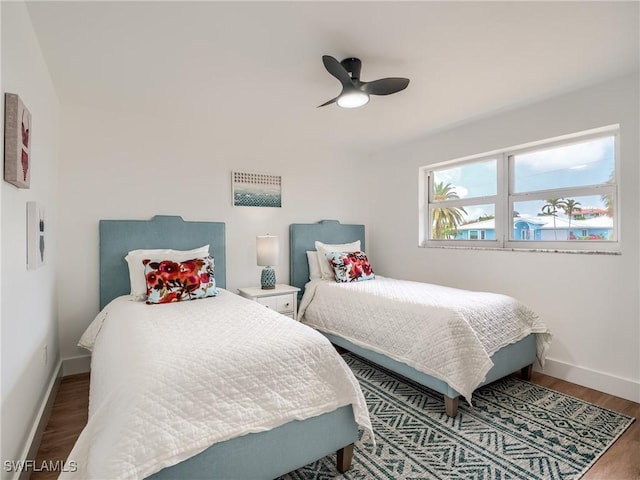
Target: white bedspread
x,y
444,332
170,380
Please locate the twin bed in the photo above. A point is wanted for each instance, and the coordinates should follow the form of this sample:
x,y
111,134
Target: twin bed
x,y
450,340
222,388
215,388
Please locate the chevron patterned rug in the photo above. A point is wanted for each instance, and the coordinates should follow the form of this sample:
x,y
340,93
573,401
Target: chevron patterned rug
x,y
515,430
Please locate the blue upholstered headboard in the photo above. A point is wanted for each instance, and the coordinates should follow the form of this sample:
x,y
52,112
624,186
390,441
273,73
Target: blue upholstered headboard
x,y
117,237
303,237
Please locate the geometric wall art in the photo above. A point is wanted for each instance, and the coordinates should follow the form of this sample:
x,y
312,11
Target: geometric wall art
x,y
256,189
36,244
17,142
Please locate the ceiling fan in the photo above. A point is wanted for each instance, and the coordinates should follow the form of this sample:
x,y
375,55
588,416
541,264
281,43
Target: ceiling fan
x,y
355,93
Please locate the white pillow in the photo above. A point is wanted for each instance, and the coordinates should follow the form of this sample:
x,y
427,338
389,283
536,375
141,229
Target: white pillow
x,y
326,271
136,269
314,265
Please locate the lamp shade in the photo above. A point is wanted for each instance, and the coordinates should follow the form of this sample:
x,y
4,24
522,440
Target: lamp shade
x,y
267,250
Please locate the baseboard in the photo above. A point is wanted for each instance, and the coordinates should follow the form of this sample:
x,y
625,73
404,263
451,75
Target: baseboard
x,y
603,382
40,423
74,365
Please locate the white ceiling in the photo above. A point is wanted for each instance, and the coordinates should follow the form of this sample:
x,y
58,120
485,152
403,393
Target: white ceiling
x,y
259,64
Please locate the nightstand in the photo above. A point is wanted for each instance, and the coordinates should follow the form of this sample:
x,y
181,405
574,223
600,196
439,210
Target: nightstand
x,y
283,299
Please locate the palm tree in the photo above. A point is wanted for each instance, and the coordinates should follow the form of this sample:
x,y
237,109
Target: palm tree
x,y
551,208
446,219
570,206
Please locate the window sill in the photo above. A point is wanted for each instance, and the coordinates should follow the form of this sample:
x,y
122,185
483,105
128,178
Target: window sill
x,y
514,249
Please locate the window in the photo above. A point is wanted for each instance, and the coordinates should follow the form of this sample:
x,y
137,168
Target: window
x,y
461,195
558,194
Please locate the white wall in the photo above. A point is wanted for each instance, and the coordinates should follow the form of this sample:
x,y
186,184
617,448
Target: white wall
x,y
127,166
590,302
29,318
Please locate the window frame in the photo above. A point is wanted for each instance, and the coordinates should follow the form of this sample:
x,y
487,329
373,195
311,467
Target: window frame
x,y
506,197
463,202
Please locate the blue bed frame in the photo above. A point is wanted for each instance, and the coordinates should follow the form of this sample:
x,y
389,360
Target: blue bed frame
x,y
518,356
264,455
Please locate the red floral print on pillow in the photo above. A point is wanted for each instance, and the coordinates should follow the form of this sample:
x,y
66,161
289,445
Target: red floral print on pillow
x,y
350,266
169,281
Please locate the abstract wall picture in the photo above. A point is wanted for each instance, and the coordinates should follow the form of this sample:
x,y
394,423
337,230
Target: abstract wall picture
x,y
256,189
36,244
17,142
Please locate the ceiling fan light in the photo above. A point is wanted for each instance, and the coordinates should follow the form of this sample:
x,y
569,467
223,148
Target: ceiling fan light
x,y
353,100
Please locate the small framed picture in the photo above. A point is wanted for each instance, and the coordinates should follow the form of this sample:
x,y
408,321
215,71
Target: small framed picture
x,y
17,142
36,244
256,189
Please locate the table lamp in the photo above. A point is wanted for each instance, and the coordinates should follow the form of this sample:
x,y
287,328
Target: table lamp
x,y
268,253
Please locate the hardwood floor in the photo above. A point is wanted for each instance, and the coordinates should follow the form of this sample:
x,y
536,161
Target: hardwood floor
x,y
620,462
68,418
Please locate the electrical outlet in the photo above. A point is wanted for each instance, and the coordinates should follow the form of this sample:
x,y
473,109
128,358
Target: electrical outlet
x,y
45,354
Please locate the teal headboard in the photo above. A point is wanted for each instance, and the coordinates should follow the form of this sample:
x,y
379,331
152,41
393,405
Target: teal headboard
x,y
303,237
117,237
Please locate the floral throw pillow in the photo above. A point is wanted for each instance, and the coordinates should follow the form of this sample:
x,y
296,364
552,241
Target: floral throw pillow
x,y
169,281
350,266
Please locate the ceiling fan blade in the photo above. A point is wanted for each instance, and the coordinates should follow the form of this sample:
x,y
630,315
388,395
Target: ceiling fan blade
x,y
334,67
333,100
385,86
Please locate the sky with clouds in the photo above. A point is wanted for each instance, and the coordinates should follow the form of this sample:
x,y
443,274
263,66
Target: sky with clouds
x,y
585,163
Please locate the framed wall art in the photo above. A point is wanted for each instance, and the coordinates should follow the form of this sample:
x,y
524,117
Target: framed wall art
x,y
17,142
36,244
256,189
